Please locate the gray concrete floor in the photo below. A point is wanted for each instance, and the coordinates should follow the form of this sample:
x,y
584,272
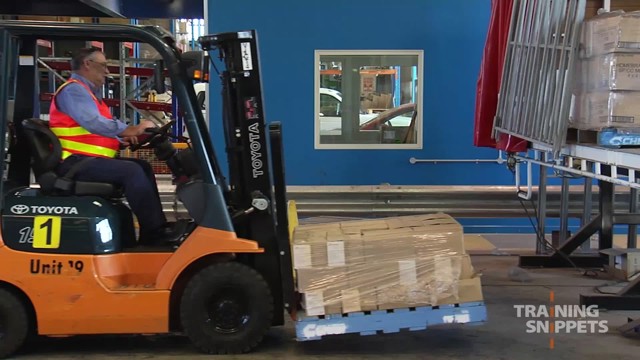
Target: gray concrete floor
x,y
502,337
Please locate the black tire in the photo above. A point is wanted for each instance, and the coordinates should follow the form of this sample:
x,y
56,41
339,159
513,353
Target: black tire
x,y
226,308
14,324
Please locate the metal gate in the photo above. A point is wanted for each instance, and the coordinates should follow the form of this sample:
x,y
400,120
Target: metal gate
x,y
535,93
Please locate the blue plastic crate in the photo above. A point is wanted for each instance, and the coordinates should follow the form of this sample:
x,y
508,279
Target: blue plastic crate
x,y
389,321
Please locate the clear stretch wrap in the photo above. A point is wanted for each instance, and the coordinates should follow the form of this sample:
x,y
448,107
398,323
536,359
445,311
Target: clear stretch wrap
x,y
610,72
605,109
381,264
616,31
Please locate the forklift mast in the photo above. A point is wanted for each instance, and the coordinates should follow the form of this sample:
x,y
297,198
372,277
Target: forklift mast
x,y
256,191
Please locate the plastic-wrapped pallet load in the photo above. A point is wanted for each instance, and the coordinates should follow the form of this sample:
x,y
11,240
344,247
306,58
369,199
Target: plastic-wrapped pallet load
x,y
616,31
390,263
607,77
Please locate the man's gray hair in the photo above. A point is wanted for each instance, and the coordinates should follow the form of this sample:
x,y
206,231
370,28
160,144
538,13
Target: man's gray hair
x,y
80,56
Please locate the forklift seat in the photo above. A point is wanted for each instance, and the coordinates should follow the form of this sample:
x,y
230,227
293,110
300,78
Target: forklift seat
x,y
46,155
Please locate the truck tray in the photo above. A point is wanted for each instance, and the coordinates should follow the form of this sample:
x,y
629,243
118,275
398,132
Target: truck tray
x,y
388,321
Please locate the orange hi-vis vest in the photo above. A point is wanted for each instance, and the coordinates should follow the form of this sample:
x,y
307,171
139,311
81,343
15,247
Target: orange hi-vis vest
x,y
75,139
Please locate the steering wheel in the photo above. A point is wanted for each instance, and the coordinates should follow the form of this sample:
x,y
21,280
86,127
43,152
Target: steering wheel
x,y
152,135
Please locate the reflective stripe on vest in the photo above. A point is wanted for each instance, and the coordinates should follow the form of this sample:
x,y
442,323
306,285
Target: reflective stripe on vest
x,y
75,139
74,131
86,148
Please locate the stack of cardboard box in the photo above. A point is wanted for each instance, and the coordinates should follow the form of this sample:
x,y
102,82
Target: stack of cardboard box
x,y
389,263
608,73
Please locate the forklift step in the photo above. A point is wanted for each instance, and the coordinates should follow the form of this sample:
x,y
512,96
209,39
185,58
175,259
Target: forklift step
x,y
389,321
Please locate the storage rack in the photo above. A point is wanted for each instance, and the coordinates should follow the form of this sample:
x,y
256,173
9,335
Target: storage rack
x,y
534,104
133,80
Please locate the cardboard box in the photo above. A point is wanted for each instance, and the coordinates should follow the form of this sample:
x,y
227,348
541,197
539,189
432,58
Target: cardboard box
x,y
458,267
365,265
316,303
599,110
372,275
309,254
358,226
402,223
322,279
623,263
613,72
357,300
612,32
467,271
438,240
468,290
594,5
312,250
429,291
344,249
389,247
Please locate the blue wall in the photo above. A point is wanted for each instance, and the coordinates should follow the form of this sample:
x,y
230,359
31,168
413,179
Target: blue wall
x,y
452,35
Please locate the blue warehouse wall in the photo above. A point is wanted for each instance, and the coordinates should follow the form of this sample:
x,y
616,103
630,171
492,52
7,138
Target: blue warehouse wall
x,y
452,35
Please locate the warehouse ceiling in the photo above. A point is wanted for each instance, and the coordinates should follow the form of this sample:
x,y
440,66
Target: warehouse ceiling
x,y
80,8
131,9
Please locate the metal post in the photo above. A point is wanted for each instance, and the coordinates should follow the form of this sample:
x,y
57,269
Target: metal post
x,y
606,210
123,83
5,68
633,208
588,207
542,208
564,208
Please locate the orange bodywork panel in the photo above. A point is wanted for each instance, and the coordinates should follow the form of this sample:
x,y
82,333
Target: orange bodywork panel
x,y
124,293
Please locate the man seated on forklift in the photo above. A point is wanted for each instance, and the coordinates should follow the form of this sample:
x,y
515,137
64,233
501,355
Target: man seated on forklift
x,y
86,128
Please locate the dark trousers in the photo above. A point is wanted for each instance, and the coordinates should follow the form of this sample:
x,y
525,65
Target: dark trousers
x,y
137,179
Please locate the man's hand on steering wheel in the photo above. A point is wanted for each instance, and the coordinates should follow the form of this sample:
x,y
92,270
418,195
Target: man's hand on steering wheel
x,y
129,140
151,134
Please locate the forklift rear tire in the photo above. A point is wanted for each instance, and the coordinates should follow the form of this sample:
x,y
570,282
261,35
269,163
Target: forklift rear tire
x,y
226,308
14,324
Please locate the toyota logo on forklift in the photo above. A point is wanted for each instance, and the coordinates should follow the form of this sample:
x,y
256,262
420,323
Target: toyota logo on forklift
x,y
20,209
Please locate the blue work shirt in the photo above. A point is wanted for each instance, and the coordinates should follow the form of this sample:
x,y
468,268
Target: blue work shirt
x,y
75,101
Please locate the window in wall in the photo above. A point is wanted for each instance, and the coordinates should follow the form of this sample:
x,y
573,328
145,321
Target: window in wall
x,y
368,99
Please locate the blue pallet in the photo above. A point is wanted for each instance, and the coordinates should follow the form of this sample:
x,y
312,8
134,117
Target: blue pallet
x,y
617,138
389,321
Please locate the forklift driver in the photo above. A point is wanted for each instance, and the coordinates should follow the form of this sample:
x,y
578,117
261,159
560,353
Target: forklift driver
x,y
86,128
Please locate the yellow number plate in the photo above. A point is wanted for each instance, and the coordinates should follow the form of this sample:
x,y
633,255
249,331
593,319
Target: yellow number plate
x,y
46,232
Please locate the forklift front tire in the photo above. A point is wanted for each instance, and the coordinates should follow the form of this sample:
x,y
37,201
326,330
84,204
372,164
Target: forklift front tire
x,y
14,324
226,308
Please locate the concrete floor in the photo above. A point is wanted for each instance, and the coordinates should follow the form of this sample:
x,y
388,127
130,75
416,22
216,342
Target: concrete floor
x,y
502,337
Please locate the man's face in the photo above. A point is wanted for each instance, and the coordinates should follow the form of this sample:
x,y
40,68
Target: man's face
x,y
96,65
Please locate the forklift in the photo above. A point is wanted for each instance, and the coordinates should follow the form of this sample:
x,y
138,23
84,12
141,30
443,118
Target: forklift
x,y
69,259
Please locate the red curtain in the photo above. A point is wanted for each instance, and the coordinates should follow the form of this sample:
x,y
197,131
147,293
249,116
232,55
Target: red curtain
x,y
489,79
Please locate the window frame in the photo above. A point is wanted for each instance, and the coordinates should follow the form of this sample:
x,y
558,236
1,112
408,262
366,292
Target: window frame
x,y
419,100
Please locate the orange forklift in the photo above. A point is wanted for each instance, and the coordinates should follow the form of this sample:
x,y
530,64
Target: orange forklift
x,y
69,259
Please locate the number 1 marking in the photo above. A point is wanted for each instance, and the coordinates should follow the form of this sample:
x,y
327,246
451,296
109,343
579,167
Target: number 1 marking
x,y
46,232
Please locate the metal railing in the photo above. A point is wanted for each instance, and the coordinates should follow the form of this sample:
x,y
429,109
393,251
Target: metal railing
x,y
379,201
